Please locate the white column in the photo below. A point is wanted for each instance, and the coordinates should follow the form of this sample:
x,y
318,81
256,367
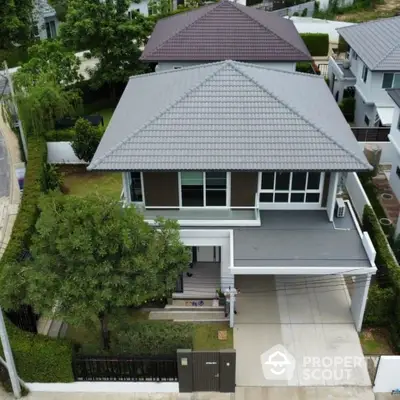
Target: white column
x,y
9,358
126,186
330,205
359,299
227,278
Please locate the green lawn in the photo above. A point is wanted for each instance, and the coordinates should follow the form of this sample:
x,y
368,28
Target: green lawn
x,y
106,113
375,341
205,337
79,182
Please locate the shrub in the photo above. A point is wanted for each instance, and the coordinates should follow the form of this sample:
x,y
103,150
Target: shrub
x,y
380,301
87,139
152,337
52,177
348,106
317,43
388,275
40,358
28,212
304,13
304,67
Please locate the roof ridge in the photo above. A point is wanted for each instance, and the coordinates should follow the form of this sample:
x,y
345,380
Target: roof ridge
x,y
386,55
160,114
244,10
211,7
234,65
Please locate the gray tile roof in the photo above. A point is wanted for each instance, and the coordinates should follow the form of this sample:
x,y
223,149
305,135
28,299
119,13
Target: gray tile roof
x,y
395,95
377,43
225,31
228,116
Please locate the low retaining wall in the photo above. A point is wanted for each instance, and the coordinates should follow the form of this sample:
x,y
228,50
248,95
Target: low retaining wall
x,y
358,197
309,6
105,387
386,379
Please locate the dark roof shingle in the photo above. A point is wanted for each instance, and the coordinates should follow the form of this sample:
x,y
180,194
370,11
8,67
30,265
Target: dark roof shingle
x,y
225,31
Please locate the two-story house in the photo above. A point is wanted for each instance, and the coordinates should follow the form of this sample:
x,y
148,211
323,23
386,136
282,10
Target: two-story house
x,y
225,31
394,138
372,66
248,160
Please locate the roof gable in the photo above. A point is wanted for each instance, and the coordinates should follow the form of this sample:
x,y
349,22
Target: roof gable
x,y
233,116
223,31
377,43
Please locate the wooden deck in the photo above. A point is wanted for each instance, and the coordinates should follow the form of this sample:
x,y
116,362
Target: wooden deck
x,y
203,283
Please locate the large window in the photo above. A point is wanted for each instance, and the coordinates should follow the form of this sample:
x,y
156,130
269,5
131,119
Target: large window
x,y
291,187
203,189
391,80
136,187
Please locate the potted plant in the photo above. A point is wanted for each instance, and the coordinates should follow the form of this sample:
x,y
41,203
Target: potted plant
x,y
221,297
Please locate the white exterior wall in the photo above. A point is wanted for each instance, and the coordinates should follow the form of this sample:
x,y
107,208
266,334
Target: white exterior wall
x,y
142,7
387,377
357,194
330,205
395,141
363,109
359,299
168,65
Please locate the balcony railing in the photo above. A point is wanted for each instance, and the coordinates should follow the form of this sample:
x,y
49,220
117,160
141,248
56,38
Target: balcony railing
x,y
373,134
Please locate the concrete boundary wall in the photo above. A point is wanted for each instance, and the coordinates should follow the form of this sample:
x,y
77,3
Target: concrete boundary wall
x,y
358,197
387,377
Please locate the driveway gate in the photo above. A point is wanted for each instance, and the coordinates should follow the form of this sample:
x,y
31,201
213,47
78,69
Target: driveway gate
x,y
206,371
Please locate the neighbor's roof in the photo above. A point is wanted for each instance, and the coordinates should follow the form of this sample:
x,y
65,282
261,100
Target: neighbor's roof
x,y
395,95
225,31
228,116
377,43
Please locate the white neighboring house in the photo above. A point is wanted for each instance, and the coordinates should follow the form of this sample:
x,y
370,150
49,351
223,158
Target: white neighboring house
x,y
371,67
46,19
394,137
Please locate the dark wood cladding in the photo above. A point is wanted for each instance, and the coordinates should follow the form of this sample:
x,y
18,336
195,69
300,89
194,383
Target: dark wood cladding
x,y
325,189
243,188
161,189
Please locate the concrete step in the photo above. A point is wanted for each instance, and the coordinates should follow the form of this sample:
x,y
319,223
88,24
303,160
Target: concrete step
x,y
194,315
63,330
55,328
171,307
190,302
43,326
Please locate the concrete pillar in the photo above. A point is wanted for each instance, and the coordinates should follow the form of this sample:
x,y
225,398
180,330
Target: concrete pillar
x,y
330,205
359,299
185,370
227,278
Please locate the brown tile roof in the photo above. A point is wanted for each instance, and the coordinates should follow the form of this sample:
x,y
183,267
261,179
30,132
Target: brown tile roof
x,y
225,31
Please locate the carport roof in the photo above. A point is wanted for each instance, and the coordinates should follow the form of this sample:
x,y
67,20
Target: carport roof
x,y
299,239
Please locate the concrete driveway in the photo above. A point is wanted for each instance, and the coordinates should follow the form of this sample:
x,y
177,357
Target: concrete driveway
x,y
310,317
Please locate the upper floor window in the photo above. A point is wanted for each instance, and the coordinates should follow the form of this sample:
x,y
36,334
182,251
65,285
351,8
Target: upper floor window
x,y
291,187
391,80
203,189
364,73
136,187
51,30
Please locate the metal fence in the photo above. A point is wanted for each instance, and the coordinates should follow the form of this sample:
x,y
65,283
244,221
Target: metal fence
x,y
373,134
162,368
24,318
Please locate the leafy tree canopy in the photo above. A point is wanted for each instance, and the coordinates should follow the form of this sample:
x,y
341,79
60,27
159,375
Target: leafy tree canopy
x,y
104,28
90,256
50,58
61,7
87,138
15,22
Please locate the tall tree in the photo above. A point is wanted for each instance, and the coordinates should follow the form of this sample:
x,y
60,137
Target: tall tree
x,y
15,22
51,58
104,28
91,256
61,7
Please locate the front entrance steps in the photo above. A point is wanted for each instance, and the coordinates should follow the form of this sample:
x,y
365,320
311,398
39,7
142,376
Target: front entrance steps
x,y
182,313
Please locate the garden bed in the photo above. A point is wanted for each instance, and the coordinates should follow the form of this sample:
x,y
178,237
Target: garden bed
x,y
376,341
78,181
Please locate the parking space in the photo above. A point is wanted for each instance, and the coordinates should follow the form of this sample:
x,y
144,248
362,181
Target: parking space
x,y
310,317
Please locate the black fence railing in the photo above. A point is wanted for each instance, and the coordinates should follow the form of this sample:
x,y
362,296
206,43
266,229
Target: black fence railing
x,y
69,122
373,134
163,368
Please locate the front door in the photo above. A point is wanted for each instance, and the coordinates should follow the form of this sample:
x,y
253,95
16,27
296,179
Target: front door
x,y
205,371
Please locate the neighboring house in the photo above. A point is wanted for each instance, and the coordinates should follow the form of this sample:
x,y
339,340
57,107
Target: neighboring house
x,y
372,66
225,31
394,137
247,159
46,20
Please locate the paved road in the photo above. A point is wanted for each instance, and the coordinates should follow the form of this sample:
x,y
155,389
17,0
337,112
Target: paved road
x,y
4,169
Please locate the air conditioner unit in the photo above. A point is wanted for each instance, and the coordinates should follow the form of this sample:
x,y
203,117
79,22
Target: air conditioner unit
x,y
340,208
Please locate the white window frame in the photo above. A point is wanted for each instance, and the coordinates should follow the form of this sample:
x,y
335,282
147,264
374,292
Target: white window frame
x,y
288,205
141,185
228,193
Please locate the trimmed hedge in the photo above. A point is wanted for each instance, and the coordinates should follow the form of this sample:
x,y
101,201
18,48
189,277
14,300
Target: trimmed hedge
x,y
388,277
28,212
62,135
40,358
317,43
348,106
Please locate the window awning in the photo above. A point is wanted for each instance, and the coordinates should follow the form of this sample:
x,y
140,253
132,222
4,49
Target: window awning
x,y
385,115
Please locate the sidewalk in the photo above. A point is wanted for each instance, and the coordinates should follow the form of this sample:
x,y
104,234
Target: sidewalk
x,y
9,204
